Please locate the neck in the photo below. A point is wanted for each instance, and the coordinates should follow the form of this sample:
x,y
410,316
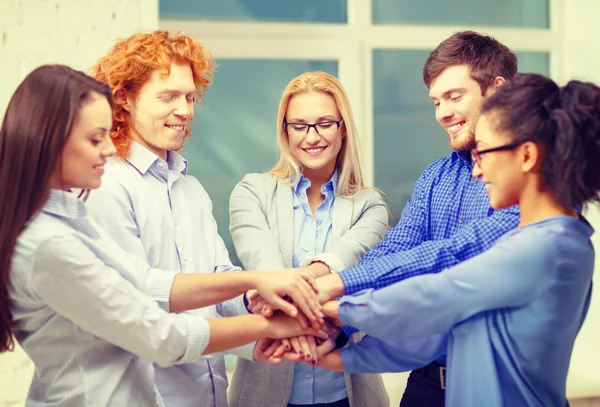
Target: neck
x,y
536,205
162,154
318,178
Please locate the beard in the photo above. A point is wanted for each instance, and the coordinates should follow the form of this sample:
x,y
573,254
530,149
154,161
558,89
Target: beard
x,y
464,141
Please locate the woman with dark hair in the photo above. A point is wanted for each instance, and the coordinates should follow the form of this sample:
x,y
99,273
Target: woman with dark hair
x,y
509,316
90,316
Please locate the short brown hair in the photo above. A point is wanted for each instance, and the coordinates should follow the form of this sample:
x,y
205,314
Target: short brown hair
x,y
129,63
486,57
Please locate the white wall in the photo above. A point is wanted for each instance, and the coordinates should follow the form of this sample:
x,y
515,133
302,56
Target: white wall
x,y
581,60
71,32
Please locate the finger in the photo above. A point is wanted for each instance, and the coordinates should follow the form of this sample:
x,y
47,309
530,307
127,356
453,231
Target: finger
x,y
311,280
268,311
279,303
253,295
286,345
305,348
280,351
292,356
296,347
317,333
302,299
326,347
312,344
271,349
301,318
274,361
256,307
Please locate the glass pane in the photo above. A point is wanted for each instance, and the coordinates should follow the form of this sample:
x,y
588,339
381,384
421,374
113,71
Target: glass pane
x,y
234,130
307,11
505,13
407,136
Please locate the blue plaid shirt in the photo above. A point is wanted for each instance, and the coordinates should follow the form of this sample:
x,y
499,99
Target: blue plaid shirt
x,y
447,220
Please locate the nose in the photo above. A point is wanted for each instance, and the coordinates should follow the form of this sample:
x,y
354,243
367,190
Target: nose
x,y
109,149
312,137
184,108
443,112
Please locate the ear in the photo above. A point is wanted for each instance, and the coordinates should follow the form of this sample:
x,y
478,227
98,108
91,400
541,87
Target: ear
x,y
121,97
530,156
498,81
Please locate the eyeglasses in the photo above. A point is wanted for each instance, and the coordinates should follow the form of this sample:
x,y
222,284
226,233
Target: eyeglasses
x,y
478,153
323,128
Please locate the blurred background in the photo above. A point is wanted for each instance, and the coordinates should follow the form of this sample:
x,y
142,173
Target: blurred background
x,y
376,47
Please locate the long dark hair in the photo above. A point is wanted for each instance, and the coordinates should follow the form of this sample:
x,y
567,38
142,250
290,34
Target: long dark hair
x,y
563,122
36,126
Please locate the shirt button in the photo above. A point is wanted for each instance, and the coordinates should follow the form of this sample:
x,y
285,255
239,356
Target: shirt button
x,y
474,180
461,221
308,375
161,165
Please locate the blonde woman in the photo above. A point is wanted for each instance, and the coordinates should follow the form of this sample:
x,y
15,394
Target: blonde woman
x,y
311,210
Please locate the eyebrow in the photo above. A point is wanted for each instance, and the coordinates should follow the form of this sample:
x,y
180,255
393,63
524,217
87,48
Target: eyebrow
x,y
328,117
176,92
449,92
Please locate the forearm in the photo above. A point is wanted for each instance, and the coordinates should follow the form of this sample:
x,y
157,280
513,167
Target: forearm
x,y
232,332
191,291
318,269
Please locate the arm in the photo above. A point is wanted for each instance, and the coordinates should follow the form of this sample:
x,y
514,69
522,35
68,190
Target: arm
x,y
428,257
411,229
372,355
254,242
69,278
368,230
509,275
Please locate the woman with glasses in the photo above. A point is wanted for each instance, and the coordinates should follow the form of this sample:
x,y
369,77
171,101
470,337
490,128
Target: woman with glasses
x,y
509,316
311,211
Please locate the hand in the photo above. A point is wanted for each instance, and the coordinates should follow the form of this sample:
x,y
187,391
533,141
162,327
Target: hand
x,y
296,284
283,326
332,361
331,310
258,305
265,348
330,287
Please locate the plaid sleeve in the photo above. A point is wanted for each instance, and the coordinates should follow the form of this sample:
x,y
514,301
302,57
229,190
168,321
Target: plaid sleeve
x,y
410,230
431,256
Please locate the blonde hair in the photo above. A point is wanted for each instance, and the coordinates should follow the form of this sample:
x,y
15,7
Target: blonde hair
x,y
348,163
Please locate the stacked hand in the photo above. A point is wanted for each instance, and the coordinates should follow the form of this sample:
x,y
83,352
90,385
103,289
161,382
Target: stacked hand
x,y
304,348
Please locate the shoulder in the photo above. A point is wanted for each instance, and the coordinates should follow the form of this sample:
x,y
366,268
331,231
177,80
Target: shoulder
x,y
259,184
368,196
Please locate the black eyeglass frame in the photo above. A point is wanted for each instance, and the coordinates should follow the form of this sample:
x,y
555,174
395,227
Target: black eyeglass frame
x,y
478,153
314,125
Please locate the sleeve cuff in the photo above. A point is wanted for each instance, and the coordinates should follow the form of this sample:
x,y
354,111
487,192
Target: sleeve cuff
x,y
348,359
198,337
352,308
158,286
333,262
245,351
355,279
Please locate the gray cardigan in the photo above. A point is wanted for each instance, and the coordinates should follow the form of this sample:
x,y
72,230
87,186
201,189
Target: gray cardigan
x,y
261,219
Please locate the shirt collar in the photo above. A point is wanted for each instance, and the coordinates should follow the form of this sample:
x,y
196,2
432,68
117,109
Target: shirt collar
x,y
464,155
331,185
65,204
142,159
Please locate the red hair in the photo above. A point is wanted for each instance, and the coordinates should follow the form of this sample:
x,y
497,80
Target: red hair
x,y
129,63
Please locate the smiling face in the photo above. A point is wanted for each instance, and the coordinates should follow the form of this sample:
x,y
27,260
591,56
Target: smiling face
x,y
316,152
457,99
87,148
163,109
502,172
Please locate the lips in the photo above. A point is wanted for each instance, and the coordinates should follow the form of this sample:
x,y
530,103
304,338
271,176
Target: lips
x,y
314,150
176,127
455,127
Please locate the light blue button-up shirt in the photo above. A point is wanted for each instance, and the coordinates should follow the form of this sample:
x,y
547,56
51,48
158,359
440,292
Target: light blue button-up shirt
x,y
83,318
154,209
312,236
508,318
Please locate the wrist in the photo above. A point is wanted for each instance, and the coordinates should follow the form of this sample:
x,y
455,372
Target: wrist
x,y
332,286
318,269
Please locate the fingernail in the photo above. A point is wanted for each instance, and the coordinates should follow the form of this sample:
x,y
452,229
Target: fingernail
x,y
287,347
301,354
314,362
